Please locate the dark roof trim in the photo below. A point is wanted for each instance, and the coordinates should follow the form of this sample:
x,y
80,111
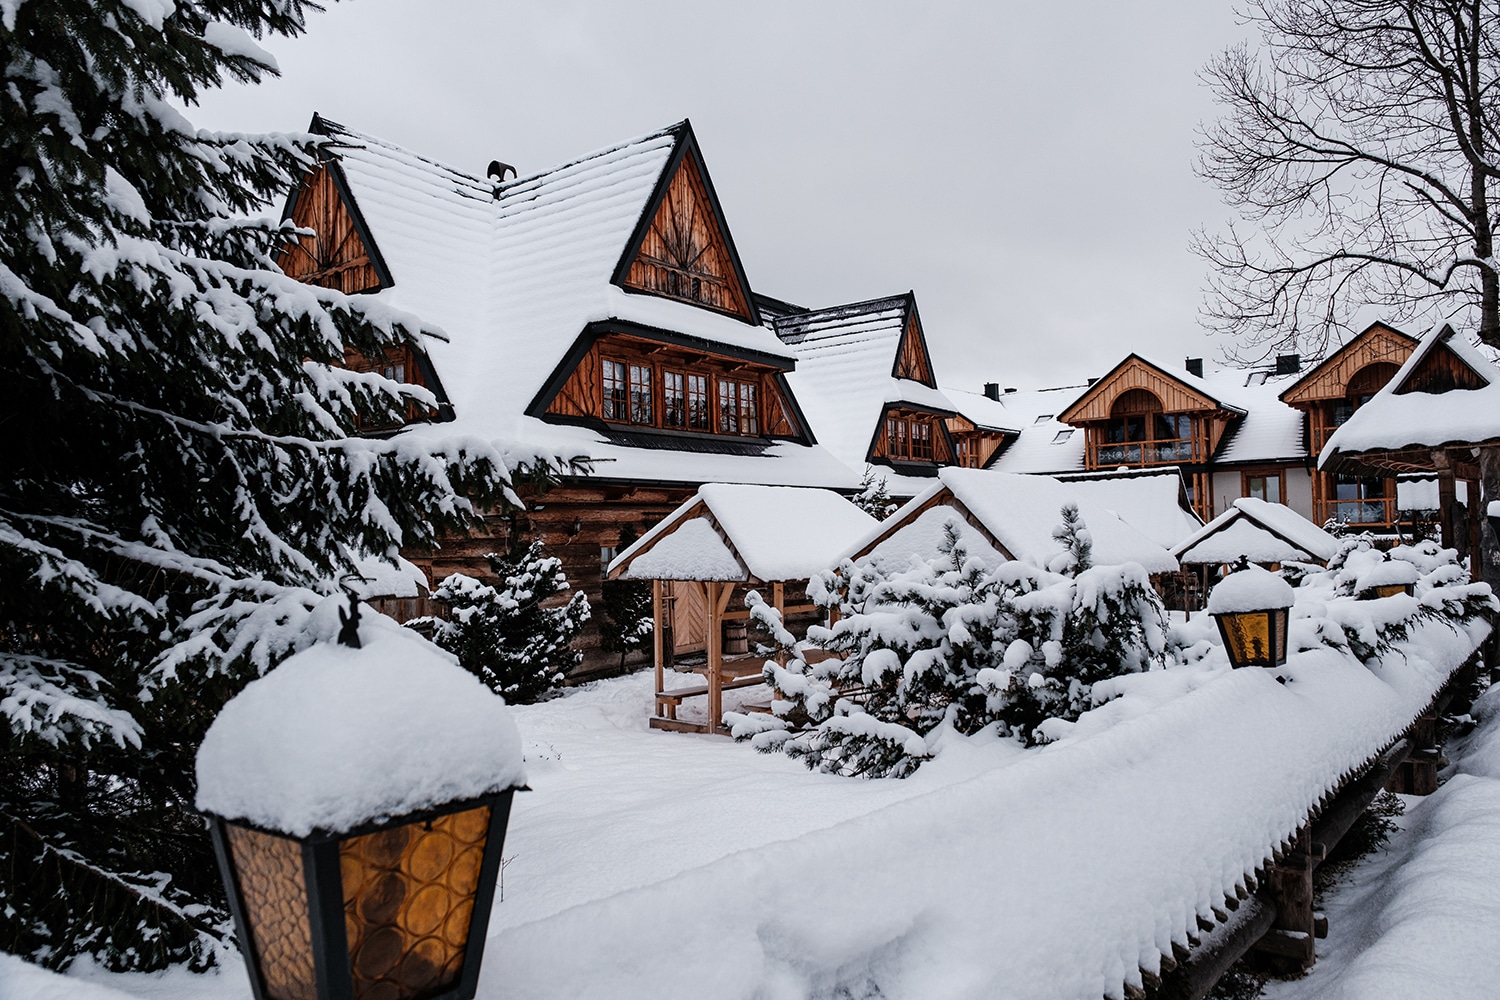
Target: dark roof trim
x,y
687,145
1317,368
329,159
942,426
805,428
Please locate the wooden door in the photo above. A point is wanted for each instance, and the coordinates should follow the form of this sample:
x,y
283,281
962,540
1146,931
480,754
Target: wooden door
x,y
689,617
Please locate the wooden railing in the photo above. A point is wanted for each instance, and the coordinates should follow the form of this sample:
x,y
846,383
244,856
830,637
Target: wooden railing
x,y
1370,512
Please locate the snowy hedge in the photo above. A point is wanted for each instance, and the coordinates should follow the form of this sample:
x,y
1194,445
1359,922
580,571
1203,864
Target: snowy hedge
x,y
952,641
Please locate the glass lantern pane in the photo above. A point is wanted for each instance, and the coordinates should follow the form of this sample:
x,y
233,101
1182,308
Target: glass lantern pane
x,y
274,889
1249,637
408,898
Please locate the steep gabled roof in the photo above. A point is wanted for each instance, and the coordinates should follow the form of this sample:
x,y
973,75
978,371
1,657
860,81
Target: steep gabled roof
x,y
1395,420
1015,515
515,272
736,532
848,357
1260,531
1178,390
1329,379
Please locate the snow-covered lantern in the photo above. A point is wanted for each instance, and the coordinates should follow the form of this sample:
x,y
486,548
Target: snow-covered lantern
x,y
358,797
1386,579
1251,607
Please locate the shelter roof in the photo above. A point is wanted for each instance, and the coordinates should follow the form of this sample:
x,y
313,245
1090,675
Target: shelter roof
x,y
1261,531
514,272
1153,501
1399,419
746,532
1017,515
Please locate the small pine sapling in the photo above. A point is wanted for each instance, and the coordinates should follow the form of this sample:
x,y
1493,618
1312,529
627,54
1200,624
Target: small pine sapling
x,y
874,496
508,634
626,624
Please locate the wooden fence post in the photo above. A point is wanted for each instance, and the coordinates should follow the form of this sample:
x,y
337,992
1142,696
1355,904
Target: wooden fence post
x,y
1289,887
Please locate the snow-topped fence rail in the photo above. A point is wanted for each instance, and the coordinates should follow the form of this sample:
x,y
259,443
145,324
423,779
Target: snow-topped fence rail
x,y
1109,863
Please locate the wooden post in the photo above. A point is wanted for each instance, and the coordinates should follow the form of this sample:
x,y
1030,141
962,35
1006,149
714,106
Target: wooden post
x,y
1289,885
1476,527
659,624
1447,501
715,658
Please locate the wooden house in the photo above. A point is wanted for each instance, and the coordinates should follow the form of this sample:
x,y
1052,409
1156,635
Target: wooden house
x,y
866,381
1439,414
595,309
704,558
1329,394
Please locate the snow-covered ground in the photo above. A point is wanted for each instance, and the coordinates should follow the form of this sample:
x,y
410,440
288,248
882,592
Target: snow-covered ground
x,y
1420,919
659,864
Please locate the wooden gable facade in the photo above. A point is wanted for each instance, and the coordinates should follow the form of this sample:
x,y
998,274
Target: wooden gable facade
x,y
339,253
1140,415
1329,394
682,249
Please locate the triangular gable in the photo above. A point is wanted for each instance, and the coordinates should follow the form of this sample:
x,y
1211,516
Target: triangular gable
x,y
1135,372
341,254
939,496
694,509
1329,379
912,360
1438,368
681,248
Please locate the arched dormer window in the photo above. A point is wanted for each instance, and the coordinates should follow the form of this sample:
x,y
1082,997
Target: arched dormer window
x,y
1139,432
1362,385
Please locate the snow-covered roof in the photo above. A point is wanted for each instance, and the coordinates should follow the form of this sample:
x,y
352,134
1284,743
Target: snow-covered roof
x,y
1045,444
1149,500
729,531
844,379
335,737
513,273
1392,422
1019,512
1260,531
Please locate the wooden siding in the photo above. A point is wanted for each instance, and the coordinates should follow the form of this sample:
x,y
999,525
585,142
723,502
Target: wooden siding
x,y
684,254
912,362
1330,380
1098,402
1441,371
582,394
334,256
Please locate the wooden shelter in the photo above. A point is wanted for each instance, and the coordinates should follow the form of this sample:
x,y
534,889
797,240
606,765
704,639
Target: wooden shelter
x,y
702,560
1439,414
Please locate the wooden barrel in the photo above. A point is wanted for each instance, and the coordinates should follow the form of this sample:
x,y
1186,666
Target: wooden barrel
x,y
736,638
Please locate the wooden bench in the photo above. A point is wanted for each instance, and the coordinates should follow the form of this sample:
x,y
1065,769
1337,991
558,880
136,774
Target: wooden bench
x,y
669,700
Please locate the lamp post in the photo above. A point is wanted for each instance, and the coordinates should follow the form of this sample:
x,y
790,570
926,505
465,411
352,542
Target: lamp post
x,y
1251,607
358,800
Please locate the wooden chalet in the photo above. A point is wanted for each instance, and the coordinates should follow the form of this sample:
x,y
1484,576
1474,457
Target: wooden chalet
x,y
1004,516
1329,394
1439,414
704,558
596,309
866,380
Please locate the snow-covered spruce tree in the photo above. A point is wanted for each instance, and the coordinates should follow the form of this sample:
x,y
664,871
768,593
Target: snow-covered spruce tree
x,y
180,467
874,496
506,634
950,641
626,623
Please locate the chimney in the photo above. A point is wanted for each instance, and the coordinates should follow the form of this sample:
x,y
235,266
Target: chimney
x,y
992,390
1194,366
1288,364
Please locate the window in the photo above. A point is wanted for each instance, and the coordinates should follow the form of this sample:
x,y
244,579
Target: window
x,y
1262,486
1044,418
729,407
673,401
395,372
1062,436
607,555
911,439
697,402
614,391
1139,433
921,441
749,411
1359,500
640,395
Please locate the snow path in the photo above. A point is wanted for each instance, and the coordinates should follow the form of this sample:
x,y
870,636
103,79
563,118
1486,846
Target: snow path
x,y
1420,919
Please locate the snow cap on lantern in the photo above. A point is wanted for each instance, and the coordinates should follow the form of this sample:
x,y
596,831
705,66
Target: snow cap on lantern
x,y
1250,606
358,799
1386,578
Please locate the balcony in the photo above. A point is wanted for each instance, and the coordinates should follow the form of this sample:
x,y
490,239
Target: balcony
x,y
1371,512
1142,453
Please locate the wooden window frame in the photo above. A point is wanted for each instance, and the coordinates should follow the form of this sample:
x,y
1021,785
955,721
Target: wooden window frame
x,y
641,379
1273,473
706,396
668,393
614,408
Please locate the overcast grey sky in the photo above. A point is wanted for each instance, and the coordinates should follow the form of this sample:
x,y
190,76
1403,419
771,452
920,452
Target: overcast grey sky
x,y
1025,167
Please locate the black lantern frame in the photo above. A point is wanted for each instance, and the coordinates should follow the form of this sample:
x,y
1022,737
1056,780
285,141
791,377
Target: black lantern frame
x,y
295,924
1241,629
1388,590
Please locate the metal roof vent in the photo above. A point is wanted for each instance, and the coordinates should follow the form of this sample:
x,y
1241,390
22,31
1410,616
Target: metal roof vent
x,y
1194,366
1288,364
497,171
